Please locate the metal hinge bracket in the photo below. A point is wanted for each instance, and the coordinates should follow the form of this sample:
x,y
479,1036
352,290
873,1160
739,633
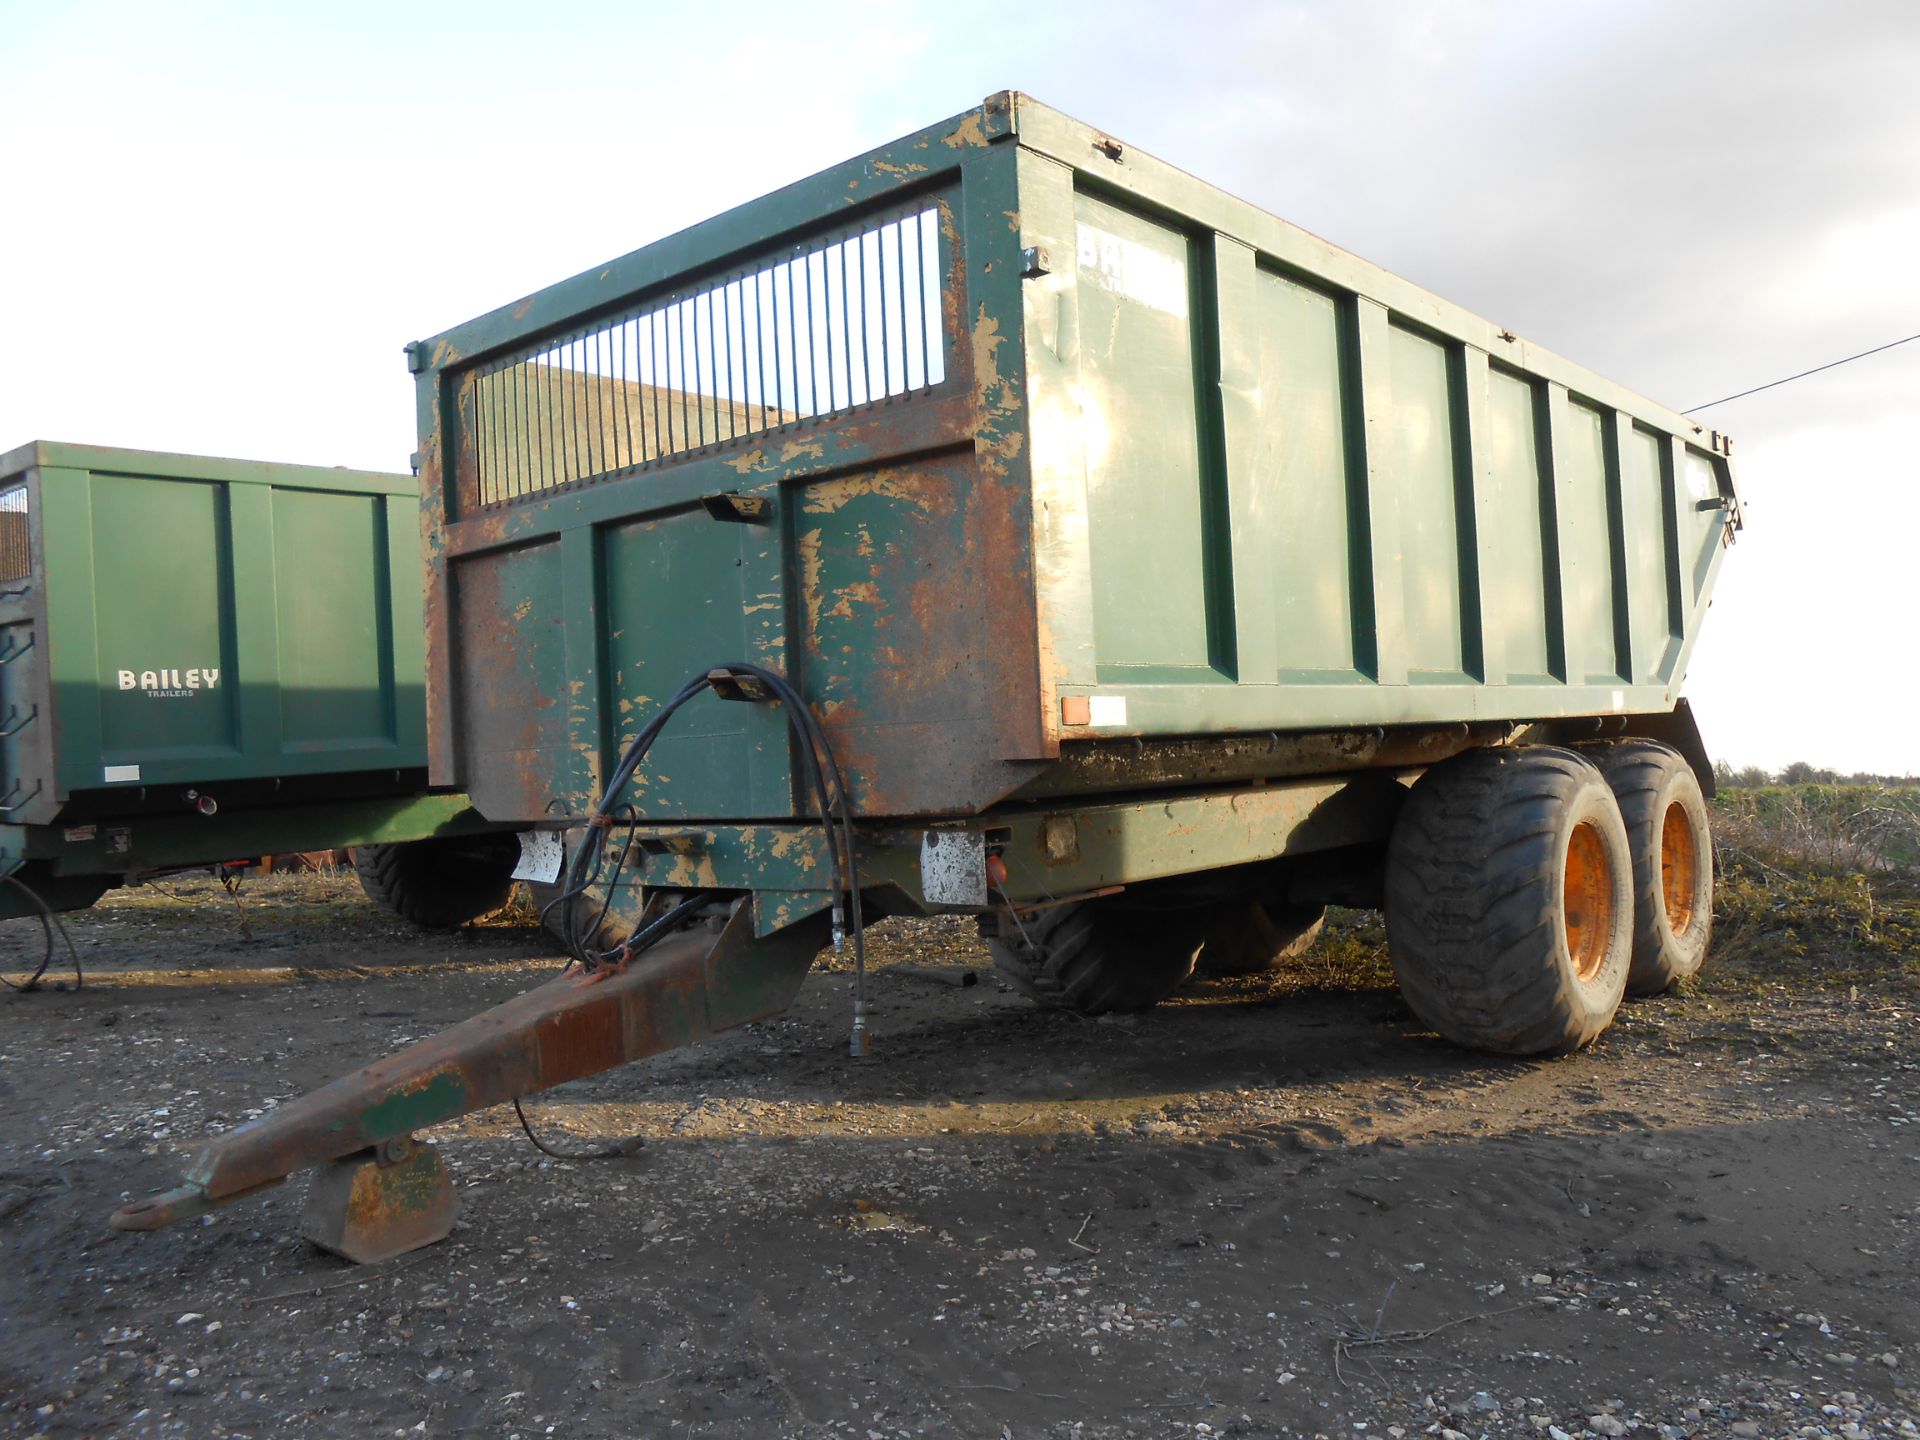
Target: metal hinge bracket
x,y
729,505
729,686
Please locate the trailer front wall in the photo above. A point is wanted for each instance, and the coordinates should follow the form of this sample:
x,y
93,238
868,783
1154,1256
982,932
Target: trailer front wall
x,y
791,436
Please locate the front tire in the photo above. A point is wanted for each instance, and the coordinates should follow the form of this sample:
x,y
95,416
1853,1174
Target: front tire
x,y
1666,819
1510,901
441,883
1094,957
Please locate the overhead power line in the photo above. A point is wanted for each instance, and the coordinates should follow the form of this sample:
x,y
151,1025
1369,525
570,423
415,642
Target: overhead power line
x,y
1772,384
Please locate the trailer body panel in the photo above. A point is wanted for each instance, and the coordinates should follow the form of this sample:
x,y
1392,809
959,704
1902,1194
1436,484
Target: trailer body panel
x,y
1007,438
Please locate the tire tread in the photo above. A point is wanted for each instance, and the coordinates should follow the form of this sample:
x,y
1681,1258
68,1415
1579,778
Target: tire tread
x,y
437,884
1094,957
1473,903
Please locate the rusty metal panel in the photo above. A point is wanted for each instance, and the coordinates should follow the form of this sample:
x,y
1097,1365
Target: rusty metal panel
x,y
794,437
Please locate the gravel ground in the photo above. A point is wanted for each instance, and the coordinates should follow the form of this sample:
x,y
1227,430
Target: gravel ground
x,y
1274,1207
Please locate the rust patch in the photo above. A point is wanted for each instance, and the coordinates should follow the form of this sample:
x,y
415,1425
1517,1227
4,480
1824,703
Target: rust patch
x,y
953,285
987,340
970,132
808,542
1048,678
582,1040
863,591
1007,448
795,846
907,486
1060,840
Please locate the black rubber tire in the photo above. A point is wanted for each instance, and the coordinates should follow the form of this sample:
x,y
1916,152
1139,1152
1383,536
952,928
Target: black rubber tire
x,y
1254,937
1672,868
1094,957
443,883
1485,945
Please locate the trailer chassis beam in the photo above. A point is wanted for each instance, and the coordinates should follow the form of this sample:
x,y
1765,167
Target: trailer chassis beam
x,y
384,1193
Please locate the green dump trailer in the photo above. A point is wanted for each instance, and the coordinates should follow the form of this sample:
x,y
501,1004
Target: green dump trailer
x,y
1006,522
203,660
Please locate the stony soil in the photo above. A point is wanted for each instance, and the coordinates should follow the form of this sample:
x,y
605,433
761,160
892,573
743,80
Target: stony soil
x,y
1271,1208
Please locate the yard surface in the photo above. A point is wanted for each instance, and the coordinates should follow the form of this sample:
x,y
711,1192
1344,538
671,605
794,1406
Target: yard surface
x,y
1273,1207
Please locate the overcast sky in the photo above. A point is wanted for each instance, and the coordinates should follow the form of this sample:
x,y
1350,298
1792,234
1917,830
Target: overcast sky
x,y
221,223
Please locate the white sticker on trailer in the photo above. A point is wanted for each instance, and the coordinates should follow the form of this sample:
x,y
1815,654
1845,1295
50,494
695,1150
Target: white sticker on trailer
x,y
1132,270
540,855
1106,709
953,867
118,774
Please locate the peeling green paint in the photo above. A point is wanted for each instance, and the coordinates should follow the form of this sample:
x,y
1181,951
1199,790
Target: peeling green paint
x,y
401,1112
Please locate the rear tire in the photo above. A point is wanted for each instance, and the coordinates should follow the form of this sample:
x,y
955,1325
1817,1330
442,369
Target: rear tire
x,y
1094,956
1510,901
1672,842
1254,937
441,883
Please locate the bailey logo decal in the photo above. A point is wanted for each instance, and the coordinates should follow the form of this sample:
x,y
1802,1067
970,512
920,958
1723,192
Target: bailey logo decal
x,y
169,684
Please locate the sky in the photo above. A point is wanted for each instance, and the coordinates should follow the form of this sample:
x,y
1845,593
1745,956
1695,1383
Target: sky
x,y
224,221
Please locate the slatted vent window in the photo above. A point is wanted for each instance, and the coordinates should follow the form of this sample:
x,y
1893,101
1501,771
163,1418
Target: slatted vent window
x,y
845,321
16,546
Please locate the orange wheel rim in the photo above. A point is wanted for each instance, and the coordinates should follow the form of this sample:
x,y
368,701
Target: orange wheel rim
x,y
1587,900
1679,868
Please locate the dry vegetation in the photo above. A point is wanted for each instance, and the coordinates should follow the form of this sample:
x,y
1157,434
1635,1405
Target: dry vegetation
x,y
1819,881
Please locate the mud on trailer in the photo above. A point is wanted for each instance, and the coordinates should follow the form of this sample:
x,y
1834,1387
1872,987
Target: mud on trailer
x,y
1007,522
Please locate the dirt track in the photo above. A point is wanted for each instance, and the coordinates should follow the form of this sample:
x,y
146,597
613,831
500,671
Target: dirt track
x,y
1270,1208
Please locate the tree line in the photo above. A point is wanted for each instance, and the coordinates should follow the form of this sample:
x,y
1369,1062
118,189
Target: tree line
x,y
1752,777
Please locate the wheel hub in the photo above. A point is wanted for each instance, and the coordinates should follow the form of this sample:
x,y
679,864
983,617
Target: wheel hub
x,y
1588,900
